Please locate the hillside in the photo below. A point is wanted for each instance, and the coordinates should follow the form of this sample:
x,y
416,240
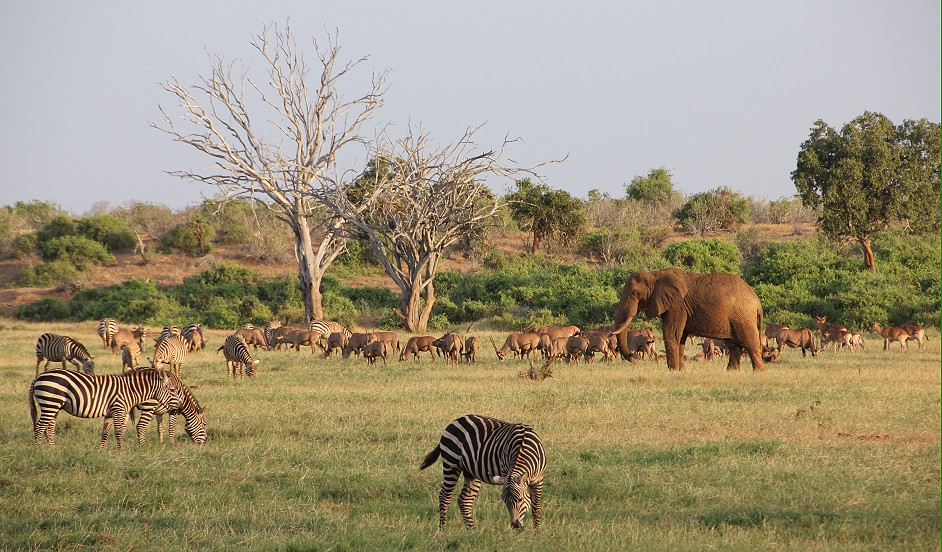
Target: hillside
x,y
168,269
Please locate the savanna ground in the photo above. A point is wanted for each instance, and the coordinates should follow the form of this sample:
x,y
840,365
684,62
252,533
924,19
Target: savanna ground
x,y
838,452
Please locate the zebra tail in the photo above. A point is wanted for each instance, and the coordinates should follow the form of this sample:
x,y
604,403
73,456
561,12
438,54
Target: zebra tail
x,y
431,457
32,403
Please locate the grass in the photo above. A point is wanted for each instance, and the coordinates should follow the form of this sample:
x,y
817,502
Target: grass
x,y
839,452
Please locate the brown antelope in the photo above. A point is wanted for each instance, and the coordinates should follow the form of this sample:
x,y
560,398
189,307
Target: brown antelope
x,y
798,338
771,331
555,332
642,345
335,342
449,346
577,346
827,330
470,353
521,344
375,349
915,332
416,345
357,342
120,339
598,343
890,335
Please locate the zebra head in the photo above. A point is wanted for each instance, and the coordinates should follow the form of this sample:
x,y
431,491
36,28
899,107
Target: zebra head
x,y
516,495
88,366
196,425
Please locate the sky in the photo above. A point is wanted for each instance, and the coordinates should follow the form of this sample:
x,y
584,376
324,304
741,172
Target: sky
x,y
720,93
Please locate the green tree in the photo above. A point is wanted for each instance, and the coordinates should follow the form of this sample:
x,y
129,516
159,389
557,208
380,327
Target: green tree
x,y
656,187
869,175
546,213
716,209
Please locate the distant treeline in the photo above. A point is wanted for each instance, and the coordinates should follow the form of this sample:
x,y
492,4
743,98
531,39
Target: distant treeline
x,y
795,280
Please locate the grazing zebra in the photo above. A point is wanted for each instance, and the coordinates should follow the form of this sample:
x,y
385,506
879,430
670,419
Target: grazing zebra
x,y
60,348
236,351
182,402
130,352
170,350
167,331
327,327
269,332
107,327
491,451
193,335
87,396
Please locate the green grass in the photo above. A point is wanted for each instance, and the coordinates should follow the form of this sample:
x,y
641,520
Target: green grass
x,y
838,452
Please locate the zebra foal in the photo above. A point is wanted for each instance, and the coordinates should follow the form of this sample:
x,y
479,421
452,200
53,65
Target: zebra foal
x,y
488,450
86,396
59,348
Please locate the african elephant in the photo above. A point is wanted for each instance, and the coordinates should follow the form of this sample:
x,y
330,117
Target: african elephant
x,y
719,306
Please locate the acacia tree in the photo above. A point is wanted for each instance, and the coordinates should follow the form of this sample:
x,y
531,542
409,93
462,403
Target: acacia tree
x,y
276,146
546,213
869,175
412,202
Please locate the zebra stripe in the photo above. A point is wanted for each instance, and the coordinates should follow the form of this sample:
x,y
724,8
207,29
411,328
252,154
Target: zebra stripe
x,y
86,396
188,334
327,327
182,402
107,327
488,450
60,348
170,350
130,352
238,358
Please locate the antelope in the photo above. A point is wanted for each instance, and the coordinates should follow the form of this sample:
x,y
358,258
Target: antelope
x,y
890,335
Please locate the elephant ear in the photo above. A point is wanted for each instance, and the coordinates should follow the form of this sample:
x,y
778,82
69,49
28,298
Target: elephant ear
x,y
667,294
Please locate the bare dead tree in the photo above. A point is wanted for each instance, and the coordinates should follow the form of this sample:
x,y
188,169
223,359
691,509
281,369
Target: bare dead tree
x,y
416,200
298,125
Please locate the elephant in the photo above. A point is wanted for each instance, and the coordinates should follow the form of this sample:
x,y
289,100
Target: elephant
x,y
718,306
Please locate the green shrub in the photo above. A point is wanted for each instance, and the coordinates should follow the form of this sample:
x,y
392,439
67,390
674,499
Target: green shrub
x,y
704,256
49,309
25,245
717,209
46,274
190,238
57,227
79,251
135,300
231,220
108,230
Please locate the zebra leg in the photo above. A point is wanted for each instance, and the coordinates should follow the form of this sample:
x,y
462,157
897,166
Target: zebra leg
x,y
51,432
105,430
449,481
171,426
466,499
120,418
143,423
536,501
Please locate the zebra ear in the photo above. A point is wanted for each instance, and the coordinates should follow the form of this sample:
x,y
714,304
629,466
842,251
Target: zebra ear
x,y
498,480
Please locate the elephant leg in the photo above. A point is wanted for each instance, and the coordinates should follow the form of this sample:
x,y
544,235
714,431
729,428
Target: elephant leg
x,y
755,355
673,333
735,355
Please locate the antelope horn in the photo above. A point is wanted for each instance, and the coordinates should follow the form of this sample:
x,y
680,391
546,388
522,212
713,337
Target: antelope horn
x,y
491,339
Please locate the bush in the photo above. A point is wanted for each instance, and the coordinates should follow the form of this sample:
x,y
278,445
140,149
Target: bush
x,y
50,309
57,227
79,251
191,238
231,220
46,274
108,230
704,256
717,209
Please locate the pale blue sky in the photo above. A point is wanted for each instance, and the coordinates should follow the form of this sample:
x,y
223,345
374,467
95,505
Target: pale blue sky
x,y
720,93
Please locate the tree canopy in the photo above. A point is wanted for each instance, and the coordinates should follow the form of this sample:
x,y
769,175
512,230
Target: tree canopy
x,y
869,175
546,213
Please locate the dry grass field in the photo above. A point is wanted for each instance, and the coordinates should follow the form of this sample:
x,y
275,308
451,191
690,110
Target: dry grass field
x,y
838,452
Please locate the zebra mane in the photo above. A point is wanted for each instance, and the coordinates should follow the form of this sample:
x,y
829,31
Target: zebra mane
x,y
81,348
185,394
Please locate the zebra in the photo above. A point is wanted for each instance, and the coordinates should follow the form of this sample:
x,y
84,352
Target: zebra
x,y
170,350
167,331
236,351
129,355
491,451
88,396
193,335
60,348
107,327
327,327
182,402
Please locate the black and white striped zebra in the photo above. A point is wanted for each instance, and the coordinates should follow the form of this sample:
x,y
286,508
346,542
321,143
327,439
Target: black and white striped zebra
x,y
238,358
60,348
130,352
327,327
193,336
167,331
87,396
107,327
170,350
491,451
182,402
